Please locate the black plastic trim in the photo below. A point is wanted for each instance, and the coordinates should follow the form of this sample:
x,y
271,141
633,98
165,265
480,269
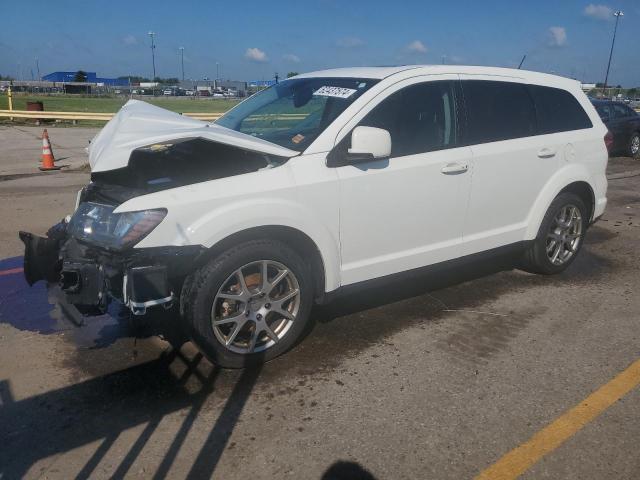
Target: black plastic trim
x,y
442,274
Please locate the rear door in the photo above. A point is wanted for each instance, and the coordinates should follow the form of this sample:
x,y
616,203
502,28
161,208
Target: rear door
x,y
519,135
510,163
623,124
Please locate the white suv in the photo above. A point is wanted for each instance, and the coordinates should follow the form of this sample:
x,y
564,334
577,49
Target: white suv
x,y
324,182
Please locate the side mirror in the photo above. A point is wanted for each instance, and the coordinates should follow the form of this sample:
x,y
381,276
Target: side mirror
x,y
369,143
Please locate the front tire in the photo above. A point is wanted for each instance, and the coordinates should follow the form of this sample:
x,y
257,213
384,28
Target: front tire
x,y
560,236
249,304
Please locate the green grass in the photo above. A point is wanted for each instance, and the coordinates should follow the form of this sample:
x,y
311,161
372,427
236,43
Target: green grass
x,y
73,103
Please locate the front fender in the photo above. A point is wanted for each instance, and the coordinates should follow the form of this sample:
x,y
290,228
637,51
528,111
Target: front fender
x,y
200,223
570,173
237,217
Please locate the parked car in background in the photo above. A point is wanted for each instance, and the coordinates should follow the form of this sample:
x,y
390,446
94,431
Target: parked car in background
x,y
321,185
189,93
624,124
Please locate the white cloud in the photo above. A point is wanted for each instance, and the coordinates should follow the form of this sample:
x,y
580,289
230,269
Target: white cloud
x,y
417,47
129,40
256,55
599,12
290,57
557,36
350,42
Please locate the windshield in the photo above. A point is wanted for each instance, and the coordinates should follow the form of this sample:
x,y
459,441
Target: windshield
x,y
293,113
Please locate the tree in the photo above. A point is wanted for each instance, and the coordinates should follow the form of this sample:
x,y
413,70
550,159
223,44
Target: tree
x,y
134,78
292,74
80,76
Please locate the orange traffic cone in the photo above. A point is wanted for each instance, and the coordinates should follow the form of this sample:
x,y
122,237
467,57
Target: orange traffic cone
x,y
47,154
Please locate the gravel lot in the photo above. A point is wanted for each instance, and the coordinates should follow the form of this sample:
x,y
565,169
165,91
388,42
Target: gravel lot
x,y
397,382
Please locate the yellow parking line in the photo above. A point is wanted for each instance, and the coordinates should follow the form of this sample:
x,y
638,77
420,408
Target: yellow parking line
x,y
521,458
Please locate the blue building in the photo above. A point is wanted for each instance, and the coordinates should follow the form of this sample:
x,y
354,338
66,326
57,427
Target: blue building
x,y
91,78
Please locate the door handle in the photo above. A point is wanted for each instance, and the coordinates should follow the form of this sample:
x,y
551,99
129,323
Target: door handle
x,y
546,153
454,168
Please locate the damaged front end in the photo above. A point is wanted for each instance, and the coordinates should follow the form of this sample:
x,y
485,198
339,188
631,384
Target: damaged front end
x,y
142,150
91,276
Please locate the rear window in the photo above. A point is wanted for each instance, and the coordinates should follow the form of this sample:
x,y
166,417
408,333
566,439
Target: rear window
x,y
497,111
557,110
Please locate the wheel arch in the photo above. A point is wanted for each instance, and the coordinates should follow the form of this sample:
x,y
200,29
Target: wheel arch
x,y
586,194
302,243
573,178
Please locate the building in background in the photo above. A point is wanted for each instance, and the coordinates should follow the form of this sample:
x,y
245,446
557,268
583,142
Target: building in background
x,y
68,77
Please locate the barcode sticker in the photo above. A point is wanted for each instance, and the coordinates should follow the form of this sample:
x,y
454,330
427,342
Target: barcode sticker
x,y
338,92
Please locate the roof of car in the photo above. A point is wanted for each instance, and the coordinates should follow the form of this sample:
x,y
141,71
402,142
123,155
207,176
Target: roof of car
x,y
387,71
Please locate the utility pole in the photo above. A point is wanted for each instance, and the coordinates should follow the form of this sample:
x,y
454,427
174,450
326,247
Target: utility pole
x,y
153,55
276,77
153,61
38,69
616,14
182,61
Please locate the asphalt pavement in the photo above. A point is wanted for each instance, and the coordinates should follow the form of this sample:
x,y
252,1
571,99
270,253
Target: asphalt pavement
x,y
397,383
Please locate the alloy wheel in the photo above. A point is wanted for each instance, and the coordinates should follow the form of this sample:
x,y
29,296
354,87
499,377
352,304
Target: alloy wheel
x,y
565,235
635,145
255,307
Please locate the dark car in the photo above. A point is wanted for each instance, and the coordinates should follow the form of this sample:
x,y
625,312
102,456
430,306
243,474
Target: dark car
x,y
624,124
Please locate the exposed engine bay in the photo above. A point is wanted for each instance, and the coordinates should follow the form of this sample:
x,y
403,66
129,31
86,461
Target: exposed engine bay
x,y
174,164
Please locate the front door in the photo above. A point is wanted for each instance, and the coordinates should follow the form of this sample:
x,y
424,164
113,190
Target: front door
x,y
407,211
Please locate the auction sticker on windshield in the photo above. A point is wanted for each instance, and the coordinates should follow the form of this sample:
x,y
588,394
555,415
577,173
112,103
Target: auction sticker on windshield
x,y
338,92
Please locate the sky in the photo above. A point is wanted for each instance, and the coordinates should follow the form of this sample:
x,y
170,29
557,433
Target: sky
x,y
253,40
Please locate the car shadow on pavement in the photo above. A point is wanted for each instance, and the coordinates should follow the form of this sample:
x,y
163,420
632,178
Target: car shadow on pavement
x,y
102,408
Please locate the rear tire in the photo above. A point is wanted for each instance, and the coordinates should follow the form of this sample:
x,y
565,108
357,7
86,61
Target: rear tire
x,y
560,236
633,150
244,322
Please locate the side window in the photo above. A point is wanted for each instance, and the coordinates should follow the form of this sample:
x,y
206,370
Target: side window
x,y
420,118
630,111
620,111
604,110
557,110
497,111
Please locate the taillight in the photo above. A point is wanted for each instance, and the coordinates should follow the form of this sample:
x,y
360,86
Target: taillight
x,y
608,141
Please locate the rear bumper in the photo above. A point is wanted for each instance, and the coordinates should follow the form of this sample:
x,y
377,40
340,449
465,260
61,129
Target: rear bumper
x,y
92,277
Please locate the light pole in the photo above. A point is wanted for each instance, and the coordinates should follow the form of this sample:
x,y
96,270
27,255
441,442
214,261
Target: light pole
x,y
616,14
153,55
182,61
38,68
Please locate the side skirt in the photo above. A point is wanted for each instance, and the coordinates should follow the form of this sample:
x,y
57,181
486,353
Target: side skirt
x,y
440,275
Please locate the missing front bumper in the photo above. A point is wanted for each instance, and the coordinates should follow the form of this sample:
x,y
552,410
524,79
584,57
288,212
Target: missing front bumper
x,y
90,277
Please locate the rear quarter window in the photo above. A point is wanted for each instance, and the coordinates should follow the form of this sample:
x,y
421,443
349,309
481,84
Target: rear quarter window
x,y
497,111
557,110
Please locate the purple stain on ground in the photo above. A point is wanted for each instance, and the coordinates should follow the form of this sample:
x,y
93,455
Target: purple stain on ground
x,y
35,309
24,307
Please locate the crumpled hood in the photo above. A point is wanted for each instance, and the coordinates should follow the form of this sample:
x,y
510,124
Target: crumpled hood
x,y
138,124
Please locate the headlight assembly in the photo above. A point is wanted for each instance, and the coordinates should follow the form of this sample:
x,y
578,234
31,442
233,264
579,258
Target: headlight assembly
x,y
99,225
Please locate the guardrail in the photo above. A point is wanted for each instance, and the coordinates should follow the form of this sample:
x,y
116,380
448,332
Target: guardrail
x,y
87,115
35,115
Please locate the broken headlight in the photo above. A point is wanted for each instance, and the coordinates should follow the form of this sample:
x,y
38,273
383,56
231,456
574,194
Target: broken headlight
x,y
99,225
